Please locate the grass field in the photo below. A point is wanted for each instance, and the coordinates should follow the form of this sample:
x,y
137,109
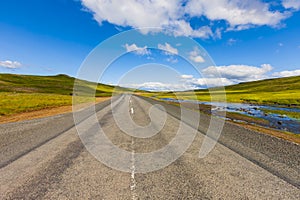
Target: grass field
x,y
281,91
23,93
11,103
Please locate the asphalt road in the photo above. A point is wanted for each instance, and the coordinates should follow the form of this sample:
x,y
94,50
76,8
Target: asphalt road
x,y
48,159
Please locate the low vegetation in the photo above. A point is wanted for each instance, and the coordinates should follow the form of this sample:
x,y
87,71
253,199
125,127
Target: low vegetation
x,y
295,115
246,118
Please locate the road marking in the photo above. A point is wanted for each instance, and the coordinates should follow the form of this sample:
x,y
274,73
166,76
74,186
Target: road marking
x,y
132,168
132,179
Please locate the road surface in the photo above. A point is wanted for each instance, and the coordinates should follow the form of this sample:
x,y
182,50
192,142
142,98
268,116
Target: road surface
x,y
46,159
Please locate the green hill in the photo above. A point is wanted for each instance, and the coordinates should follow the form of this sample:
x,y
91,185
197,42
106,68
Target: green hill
x,y
22,93
269,85
59,84
282,91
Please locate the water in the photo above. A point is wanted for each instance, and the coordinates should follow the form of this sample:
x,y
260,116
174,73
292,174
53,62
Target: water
x,y
277,121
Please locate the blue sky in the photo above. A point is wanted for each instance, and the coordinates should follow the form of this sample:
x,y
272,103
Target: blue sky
x,y
247,40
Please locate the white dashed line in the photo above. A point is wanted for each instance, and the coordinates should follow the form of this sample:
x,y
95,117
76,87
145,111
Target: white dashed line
x,y
132,168
132,180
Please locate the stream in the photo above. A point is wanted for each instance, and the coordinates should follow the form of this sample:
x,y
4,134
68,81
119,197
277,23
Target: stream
x,y
276,121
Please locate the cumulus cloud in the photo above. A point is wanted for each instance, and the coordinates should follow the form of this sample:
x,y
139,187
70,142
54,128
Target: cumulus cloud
x,y
239,73
183,28
287,73
171,59
168,48
196,83
195,56
175,15
212,82
186,76
231,41
134,13
233,74
239,14
10,64
137,50
294,4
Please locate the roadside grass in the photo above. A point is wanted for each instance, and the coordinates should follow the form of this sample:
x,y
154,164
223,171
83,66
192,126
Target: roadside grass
x,y
12,103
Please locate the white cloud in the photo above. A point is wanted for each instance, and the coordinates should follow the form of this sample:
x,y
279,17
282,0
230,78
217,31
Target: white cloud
x,y
10,64
171,59
182,27
168,48
175,15
195,56
231,41
211,82
186,76
237,13
287,73
238,73
197,83
134,13
294,4
138,50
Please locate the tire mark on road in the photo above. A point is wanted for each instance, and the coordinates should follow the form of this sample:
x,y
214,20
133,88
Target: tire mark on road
x,y
12,159
98,107
38,186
